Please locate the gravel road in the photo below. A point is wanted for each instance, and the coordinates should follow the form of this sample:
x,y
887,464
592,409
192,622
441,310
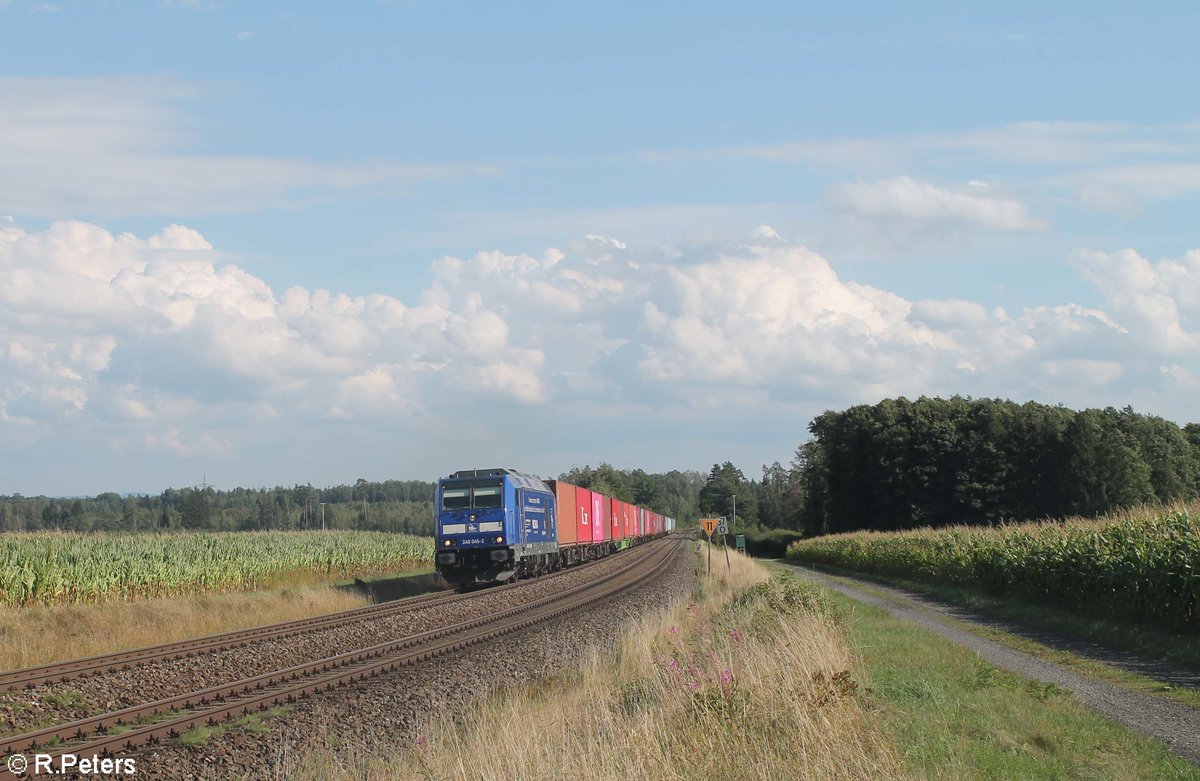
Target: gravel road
x,y
1174,724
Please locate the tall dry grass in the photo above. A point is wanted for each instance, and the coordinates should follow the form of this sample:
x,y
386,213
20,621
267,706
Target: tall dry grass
x,y
751,679
38,635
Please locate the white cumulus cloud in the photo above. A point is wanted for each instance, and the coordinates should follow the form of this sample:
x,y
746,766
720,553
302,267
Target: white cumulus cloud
x,y
160,343
907,198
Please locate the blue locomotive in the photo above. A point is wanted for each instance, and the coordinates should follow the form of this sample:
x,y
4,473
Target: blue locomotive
x,y
494,525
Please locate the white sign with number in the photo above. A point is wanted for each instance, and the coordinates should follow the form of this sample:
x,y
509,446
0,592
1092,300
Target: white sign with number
x,y
722,528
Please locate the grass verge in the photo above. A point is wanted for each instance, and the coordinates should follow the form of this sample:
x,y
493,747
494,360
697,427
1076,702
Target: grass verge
x,y
958,717
1147,642
751,678
39,635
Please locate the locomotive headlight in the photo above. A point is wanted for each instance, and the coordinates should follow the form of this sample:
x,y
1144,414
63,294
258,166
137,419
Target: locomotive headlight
x,y
447,542
499,539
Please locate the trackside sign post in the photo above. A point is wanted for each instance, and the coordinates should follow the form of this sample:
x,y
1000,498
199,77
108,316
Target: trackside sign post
x,y
709,525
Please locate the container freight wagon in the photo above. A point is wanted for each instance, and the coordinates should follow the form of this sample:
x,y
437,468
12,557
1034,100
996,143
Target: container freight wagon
x,y
497,525
617,522
568,511
583,501
606,518
597,516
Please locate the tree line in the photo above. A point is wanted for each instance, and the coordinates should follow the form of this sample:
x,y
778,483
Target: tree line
x,y
391,505
903,464
893,465
674,494
404,506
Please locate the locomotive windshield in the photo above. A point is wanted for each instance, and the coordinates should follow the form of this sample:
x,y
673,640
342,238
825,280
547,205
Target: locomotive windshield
x,y
456,498
477,495
487,496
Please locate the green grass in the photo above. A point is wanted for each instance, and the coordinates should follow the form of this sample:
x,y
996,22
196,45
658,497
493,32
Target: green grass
x,y
958,717
1145,641
69,698
253,722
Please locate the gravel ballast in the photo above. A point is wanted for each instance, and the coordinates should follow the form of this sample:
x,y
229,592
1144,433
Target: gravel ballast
x,y
378,716
27,709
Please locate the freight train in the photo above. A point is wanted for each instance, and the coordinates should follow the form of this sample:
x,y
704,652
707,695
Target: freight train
x,y
497,525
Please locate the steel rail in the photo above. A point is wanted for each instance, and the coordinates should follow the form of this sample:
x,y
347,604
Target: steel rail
x,y
61,672
287,685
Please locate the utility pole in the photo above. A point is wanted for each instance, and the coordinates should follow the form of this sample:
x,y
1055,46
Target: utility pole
x,y
322,516
725,539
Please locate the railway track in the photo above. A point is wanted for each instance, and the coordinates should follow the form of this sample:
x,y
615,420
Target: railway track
x,y
167,718
61,672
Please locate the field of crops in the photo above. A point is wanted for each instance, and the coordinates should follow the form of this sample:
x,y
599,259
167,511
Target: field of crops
x,y
59,567
1143,564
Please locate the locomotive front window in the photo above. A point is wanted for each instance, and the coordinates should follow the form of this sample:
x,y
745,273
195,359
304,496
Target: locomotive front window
x,y
456,498
489,496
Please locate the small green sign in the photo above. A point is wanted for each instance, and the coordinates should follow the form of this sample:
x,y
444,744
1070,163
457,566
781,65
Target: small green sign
x,y
740,540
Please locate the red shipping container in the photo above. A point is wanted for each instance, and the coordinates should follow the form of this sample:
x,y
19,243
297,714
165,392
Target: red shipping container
x,y
568,511
606,515
618,520
583,509
597,517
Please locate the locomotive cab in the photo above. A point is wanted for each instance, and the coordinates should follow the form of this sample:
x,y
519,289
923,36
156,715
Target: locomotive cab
x,y
492,526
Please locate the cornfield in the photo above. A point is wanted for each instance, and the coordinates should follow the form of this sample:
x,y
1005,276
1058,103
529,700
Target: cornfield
x,y
1142,564
50,568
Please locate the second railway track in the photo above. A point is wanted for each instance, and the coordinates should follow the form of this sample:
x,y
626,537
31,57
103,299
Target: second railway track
x,y
155,721
62,672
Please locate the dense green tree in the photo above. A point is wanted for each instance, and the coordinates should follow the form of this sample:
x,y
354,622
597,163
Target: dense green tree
x,y
1165,449
717,497
1104,469
901,463
196,508
675,494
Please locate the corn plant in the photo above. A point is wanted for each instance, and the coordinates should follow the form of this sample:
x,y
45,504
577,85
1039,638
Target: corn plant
x,y
48,568
1143,564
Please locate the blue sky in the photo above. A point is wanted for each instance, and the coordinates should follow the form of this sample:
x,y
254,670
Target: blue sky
x,y
285,242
